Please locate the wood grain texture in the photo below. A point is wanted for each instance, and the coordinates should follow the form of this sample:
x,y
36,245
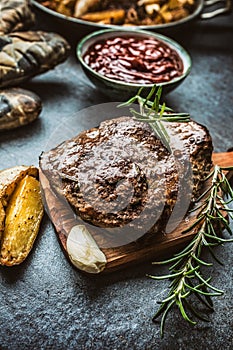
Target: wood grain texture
x,y
159,247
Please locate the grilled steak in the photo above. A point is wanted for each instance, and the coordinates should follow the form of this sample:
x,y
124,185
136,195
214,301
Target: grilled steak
x,y
120,177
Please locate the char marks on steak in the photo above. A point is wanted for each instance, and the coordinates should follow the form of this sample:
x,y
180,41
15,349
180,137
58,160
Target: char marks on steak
x,y
121,176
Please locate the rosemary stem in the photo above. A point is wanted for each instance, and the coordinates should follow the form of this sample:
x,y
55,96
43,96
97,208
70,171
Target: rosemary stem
x,y
197,243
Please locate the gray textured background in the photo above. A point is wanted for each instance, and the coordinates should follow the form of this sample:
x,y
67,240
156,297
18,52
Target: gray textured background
x,y
45,302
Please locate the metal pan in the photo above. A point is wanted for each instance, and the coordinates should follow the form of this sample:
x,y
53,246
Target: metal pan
x,y
217,7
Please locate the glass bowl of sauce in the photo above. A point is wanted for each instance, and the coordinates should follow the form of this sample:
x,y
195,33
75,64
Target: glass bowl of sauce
x,y
121,62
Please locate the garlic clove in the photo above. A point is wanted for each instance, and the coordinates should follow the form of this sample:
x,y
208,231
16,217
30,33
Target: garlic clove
x,y
83,250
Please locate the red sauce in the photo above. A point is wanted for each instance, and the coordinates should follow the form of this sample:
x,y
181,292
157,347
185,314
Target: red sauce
x,y
134,60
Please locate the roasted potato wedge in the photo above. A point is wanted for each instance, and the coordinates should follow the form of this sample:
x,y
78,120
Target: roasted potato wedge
x,y
21,212
9,179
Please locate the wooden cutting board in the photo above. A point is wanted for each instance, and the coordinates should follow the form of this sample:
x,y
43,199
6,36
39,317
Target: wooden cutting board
x,y
161,247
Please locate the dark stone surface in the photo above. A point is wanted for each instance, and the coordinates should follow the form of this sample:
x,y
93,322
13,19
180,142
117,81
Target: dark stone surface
x,y
45,302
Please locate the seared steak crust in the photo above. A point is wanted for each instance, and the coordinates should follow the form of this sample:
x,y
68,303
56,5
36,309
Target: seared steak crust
x,y
120,174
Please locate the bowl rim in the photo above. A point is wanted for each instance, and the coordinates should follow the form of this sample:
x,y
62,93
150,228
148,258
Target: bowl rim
x,y
184,55
96,26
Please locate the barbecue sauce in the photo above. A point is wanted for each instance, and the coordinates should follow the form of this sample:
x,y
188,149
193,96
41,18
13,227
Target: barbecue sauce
x,y
134,60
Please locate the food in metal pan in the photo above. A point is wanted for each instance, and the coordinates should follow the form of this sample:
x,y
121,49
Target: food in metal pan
x,y
83,6
65,7
125,12
18,107
15,15
105,17
21,212
26,54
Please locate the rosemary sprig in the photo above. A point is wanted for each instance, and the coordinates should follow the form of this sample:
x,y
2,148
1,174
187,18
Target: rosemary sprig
x,y
187,280
154,113
185,271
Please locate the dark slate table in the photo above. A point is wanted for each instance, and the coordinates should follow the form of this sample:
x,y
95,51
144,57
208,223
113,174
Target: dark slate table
x,y
48,304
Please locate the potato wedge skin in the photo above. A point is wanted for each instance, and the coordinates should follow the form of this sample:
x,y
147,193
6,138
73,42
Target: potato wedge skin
x,y
9,179
23,217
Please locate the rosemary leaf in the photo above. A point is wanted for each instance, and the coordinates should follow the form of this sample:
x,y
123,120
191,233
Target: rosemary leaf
x,y
155,114
183,313
200,261
169,306
166,276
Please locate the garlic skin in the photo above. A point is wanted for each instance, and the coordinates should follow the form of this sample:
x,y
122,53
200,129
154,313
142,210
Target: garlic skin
x,y
83,250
